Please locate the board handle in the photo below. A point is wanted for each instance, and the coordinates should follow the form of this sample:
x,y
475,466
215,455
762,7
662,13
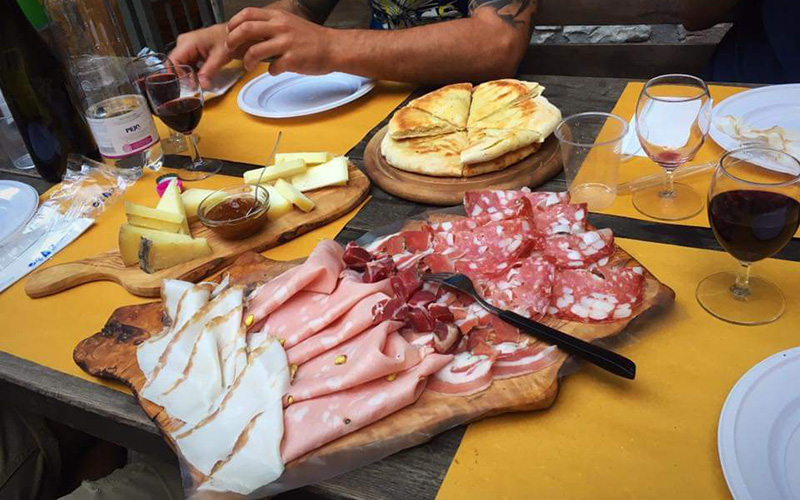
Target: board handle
x,y
55,279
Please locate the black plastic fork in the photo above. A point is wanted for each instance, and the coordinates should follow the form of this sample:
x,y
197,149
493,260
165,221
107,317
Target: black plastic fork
x,y
605,359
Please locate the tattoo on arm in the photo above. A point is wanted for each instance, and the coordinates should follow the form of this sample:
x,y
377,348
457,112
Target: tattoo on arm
x,y
510,11
315,10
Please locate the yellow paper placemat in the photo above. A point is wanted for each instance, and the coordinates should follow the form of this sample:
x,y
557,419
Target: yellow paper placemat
x,y
641,166
226,132
655,437
46,330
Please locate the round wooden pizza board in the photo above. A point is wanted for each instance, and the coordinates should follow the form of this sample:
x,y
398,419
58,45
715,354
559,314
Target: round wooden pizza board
x,y
532,171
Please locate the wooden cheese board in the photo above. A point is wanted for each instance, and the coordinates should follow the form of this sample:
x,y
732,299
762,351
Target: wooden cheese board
x,y
331,203
111,353
532,171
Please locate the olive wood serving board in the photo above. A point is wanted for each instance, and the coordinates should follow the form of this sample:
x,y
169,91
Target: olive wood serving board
x,y
111,353
531,171
331,203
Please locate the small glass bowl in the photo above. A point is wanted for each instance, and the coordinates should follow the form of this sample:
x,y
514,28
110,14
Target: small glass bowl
x,y
233,226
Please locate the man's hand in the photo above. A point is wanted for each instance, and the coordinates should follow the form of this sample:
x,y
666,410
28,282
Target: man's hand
x,y
289,41
206,45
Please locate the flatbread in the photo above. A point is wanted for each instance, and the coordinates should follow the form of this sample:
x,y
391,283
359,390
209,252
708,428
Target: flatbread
x,y
490,97
487,144
501,162
412,122
536,114
450,103
437,156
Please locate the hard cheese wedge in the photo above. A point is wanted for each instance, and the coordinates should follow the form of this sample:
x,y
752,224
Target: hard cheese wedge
x,y
192,199
130,239
294,195
309,158
171,201
332,173
278,205
152,218
281,170
164,250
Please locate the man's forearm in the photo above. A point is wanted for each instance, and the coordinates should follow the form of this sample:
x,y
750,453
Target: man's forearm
x,y
459,50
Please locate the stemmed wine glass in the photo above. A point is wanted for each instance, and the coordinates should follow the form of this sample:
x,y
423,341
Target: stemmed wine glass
x,y
754,210
138,70
672,120
182,111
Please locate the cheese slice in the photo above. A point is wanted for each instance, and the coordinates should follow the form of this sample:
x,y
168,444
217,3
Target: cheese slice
x,y
309,158
294,195
332,173
164,250
278,205
171,201
130,239
279,171
153,218
193,197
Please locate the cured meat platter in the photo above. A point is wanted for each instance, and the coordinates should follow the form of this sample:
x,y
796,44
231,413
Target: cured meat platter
x,y
331,203
531,171
594,290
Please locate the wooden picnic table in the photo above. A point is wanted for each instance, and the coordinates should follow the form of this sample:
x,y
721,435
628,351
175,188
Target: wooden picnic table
x,y
413,473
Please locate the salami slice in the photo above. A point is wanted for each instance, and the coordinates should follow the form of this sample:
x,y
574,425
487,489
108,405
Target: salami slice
x,y
494,246
561,218
602,294
481,203
525,288
576,251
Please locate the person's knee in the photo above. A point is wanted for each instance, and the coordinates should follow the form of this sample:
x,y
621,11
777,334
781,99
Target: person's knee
x,y
29,460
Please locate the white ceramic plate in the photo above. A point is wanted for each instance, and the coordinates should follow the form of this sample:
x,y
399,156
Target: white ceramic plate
x,y
289,94
18,203
759,108
759,431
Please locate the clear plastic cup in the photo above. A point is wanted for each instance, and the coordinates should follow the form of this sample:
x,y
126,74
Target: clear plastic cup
x,y
591,148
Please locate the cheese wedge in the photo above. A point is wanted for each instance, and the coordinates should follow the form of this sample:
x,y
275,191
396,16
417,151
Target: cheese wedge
x,y
294,195
192,199
309,158
130,239
332,173
279,171
164,250
278,205
153,218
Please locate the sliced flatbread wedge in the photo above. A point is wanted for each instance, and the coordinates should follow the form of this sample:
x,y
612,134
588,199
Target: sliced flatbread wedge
x,y
501,162
436,156
450,103
484,144
490,97
536,115
412,122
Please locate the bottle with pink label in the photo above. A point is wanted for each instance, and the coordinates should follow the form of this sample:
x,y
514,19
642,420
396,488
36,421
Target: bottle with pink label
x,y
115,111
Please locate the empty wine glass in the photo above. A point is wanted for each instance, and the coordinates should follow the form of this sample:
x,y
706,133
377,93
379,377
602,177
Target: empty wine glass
x,y
672,120
178,101
138,70
754,210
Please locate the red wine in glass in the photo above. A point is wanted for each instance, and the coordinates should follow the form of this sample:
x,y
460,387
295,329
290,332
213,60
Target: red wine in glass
x,y
181,114
753,225
171,88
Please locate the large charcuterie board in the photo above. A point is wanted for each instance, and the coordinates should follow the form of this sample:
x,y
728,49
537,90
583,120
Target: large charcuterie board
x,y
330,204
111,353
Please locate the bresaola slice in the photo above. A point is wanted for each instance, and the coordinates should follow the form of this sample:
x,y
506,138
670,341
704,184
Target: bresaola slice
x,y
574,251
602,294
313,423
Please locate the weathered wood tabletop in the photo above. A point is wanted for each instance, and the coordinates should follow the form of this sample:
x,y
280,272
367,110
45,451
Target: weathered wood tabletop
x,y
414,473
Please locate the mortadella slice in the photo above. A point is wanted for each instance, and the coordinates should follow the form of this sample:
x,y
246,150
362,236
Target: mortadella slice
x,y
319,273
313,423
309,312
375,353
356,320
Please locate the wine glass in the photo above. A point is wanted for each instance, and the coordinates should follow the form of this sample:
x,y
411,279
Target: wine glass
x,y
672,120
182,111
754,210
138,70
